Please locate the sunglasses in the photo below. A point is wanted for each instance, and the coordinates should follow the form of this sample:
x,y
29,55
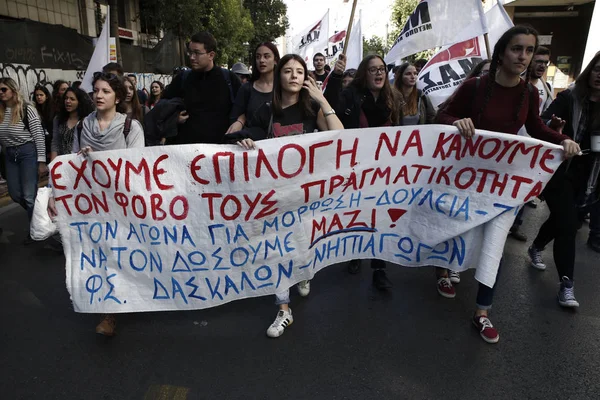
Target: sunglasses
x,y
105,76
4,89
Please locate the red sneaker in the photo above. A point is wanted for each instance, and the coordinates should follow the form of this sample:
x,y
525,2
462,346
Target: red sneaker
x,y
445,288
486,329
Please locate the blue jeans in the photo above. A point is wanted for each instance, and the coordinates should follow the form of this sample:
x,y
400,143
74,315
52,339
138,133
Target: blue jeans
x,y
22,175
485,294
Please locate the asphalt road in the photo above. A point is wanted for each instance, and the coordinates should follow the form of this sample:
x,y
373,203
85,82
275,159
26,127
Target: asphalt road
x,y
347,342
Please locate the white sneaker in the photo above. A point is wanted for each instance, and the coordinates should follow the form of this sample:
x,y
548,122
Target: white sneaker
x,y
454,276
566,293
304,288
283,320
536,258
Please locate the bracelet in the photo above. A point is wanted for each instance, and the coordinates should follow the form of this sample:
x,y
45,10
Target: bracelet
x,y
241,123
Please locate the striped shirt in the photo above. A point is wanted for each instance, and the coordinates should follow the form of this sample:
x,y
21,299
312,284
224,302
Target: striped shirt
x,y
17,134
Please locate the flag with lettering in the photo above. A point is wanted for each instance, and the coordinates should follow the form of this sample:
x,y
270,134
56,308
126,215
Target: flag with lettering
x,y
447,69
436,23
312,40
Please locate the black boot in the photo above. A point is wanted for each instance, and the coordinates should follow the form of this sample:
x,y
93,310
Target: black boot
x,y
380,280
354,267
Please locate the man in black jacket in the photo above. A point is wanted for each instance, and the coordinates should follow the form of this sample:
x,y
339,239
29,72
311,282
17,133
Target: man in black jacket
x,y
208,92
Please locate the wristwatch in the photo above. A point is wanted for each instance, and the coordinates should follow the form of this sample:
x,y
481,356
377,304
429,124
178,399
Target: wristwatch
x,y
330,112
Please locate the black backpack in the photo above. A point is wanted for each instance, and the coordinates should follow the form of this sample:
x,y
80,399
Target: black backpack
x,y
226,75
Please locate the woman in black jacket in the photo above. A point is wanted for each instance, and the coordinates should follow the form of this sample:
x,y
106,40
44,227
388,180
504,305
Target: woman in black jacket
x,y
575,184
369,101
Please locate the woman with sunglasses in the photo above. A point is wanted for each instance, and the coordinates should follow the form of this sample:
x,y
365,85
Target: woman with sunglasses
x,y
156,90
369,101
22,136
107,128
76,107
298,107
416,106
348,77
45,108
252,95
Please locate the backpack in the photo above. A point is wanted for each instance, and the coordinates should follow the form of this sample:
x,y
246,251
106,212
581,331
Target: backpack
x,y
25,118
226,75
126,129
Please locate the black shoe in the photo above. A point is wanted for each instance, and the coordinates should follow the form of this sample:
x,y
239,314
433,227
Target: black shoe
x,y
531,204
380,280
354,267
516,233
594,244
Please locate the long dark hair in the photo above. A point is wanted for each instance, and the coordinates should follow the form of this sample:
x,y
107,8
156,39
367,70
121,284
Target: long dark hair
x,y
84,105
255,72
582,83
152,100
475,73
117,84
499,50
388,93
304,98
582,87
46,110
409,105
136,107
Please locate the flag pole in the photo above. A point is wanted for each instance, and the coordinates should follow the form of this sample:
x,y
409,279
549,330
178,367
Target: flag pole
x,y
487,45
349,30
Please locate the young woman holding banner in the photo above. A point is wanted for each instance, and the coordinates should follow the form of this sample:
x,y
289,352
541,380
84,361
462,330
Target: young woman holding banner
x,y
106,129
448,277
369,101
252,95
502,102
416,106
298,107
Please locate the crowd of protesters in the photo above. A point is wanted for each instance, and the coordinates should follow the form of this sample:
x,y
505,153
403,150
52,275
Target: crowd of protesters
x,y
279,96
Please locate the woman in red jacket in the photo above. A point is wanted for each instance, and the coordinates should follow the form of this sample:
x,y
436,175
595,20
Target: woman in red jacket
x,y
501,102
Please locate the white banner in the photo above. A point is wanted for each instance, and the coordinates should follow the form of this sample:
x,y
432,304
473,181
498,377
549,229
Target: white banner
x,y
437,23
196,226
446,70
312,40
100,56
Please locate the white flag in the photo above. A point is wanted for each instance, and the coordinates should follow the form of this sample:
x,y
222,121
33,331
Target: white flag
x,y
354,49
312,40
446,70
99,58
437,23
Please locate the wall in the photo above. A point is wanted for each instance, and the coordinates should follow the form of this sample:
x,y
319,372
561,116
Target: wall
x,y
28,77
60,12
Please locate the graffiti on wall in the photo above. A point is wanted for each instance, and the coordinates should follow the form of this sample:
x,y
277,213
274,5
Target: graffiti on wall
x,y
27,77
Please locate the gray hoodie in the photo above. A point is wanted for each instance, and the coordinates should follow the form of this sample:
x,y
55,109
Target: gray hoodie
x,y
112,137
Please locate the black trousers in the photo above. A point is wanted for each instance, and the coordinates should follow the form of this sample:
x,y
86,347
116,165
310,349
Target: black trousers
x,y
561,226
